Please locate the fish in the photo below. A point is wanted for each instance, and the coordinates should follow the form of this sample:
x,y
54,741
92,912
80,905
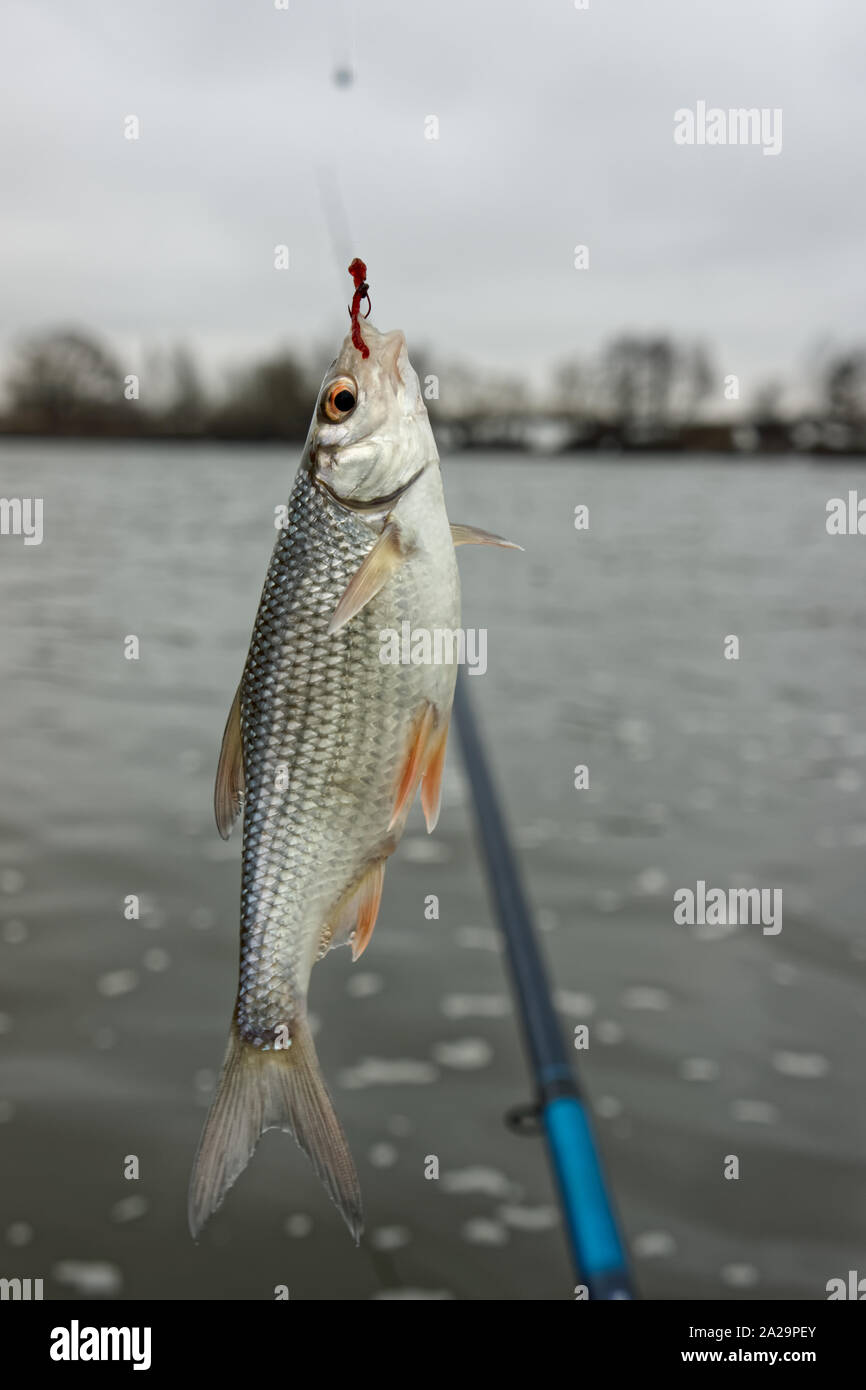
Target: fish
x,y
326,745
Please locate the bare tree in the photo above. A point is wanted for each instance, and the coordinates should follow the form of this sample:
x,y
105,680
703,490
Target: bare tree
x,y
66,382
272,400
844,386
188,407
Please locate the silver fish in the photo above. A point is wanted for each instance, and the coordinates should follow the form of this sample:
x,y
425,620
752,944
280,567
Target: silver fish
x,y
326,744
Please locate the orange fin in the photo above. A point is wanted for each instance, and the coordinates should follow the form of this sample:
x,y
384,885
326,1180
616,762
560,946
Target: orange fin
x,y
431,785
386,556
355,916
413,765
228,797
473,535
368,897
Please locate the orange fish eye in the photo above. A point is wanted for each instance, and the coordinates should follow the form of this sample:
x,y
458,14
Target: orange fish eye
x,y
340,399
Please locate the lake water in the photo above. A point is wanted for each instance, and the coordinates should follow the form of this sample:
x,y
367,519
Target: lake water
x,y
605,648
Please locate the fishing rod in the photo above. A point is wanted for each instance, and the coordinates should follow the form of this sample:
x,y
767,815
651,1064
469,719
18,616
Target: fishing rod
x,y
594,1238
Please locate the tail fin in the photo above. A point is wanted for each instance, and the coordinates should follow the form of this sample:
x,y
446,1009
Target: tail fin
x,y
269,1090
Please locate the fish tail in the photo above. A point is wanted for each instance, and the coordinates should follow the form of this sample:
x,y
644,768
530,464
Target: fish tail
x,y
277,1089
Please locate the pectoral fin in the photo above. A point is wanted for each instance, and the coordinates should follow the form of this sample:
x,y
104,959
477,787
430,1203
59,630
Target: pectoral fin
x,y
384,559
229,788
473,535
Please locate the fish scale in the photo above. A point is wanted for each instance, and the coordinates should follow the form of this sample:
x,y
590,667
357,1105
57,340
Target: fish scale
x,y
301,850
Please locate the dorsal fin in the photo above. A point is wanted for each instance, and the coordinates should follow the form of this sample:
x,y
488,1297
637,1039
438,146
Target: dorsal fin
x,y
228,797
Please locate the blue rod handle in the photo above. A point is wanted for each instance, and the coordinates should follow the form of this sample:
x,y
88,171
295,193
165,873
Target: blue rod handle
x,y
600,1253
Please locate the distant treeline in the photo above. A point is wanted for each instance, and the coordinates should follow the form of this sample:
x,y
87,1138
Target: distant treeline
x,y
639,393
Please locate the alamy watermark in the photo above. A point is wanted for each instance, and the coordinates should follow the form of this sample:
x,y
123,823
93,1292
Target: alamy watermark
x,y
702,906
438,646
711,125
77,1343
21,1290
22,516
853,1287
846,518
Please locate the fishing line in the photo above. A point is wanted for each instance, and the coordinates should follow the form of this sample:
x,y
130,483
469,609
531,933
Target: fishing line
x,y
336,218
342,32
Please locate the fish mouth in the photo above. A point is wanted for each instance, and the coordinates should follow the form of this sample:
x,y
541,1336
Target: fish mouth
x,y
376,504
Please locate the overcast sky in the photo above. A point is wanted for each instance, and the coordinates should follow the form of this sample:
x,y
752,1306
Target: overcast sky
x,y
555,128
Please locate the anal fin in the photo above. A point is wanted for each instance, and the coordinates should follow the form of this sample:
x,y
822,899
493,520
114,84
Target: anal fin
x,y
369,897
355,917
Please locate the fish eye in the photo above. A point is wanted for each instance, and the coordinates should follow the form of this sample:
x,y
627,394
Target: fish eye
x,y
340,398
